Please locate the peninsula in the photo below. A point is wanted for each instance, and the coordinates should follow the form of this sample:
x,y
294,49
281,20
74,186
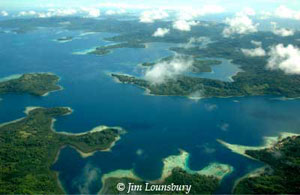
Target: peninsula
x,y
281,173
241,86
38,84
29,146
103,50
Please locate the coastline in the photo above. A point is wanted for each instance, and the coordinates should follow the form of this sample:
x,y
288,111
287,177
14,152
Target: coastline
x,y
269,142
148,92
180,160
254,173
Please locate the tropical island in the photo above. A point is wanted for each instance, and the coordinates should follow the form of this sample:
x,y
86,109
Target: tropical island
x,y
64,39
175,172
281,173
103,50
198,66
244,84
39,84
29,146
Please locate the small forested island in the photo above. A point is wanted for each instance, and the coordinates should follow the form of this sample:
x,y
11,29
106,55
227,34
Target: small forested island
x,y
38,84
29,146
64,39
103,50
282,175
175,173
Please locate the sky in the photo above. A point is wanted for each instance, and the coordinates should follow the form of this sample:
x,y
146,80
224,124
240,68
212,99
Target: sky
x,y
229,5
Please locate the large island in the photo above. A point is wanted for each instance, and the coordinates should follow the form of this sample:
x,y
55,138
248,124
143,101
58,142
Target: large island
x,y
29,146
39,84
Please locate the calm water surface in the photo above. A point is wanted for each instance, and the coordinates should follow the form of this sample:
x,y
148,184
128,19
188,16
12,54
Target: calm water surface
x,y
157,126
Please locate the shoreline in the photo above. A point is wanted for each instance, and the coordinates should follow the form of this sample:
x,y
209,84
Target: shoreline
x,y
254,173
148,91
269,142
89,154
180,160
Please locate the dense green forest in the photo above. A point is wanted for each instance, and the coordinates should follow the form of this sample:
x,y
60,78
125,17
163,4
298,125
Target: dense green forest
x,y
201,184
29,147
35,84
103,50
198,65
283,174
244,86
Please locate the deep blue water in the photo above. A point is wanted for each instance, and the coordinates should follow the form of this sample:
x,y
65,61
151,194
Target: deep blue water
x,y
156,125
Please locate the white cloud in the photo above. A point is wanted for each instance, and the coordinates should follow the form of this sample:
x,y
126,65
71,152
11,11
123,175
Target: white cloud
x,y
92,12
265,15
165,70
184,25
161,32
150,16
284,12
115,12
190,13
193,40
281,12
256,43
257,52
56,12
240,24
3,13
27,13
284,32
284,58
62,12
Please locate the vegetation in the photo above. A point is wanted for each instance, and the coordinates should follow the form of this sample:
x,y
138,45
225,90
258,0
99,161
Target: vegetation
x,y
197,67
64,39
200,184
107,49
29,147
282,177
245,84
36,84
254,80
204,65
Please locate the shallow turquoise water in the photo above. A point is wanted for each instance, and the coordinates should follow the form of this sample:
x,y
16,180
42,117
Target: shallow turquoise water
x,y
157,125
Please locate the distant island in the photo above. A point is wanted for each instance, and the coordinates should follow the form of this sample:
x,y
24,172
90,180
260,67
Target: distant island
x,y
103,50
282,173
29,146
64,39
39,84
175,172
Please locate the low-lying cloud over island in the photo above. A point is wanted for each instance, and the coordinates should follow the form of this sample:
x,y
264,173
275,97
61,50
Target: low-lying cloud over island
x,y
161,32
165,70
284,58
